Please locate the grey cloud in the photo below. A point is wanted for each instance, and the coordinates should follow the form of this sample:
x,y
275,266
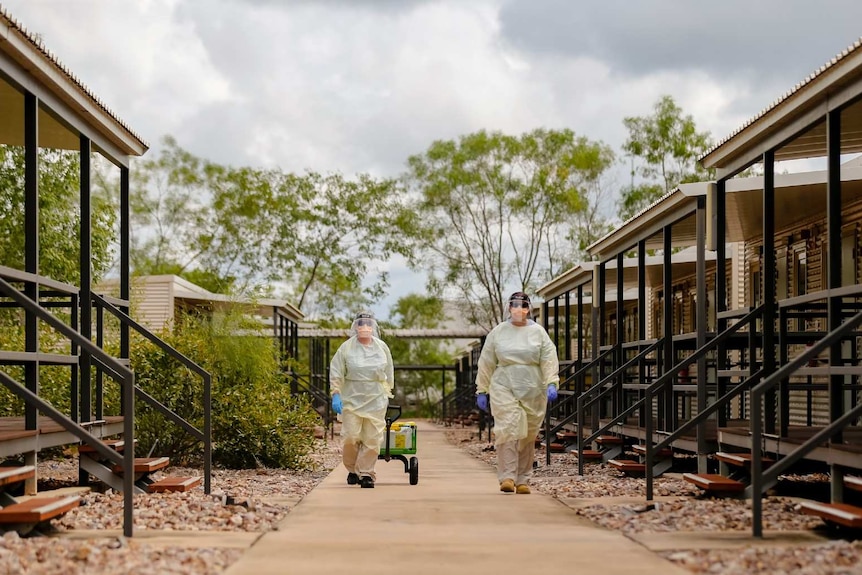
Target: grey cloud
x,y
774,38
352,4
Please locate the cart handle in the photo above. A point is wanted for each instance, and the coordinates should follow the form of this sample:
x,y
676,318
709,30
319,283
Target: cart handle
x,y
391,420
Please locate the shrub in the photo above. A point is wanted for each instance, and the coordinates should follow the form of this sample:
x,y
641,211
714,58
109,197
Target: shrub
x,y
256,422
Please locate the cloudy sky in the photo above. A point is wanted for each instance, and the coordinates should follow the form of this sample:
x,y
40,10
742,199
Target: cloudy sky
x,y
359,85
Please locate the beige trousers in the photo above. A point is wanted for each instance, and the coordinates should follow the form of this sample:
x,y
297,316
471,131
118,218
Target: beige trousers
x,y
362,439
515,460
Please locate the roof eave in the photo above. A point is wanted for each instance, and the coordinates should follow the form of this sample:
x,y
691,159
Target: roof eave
x,y
829,88
39,63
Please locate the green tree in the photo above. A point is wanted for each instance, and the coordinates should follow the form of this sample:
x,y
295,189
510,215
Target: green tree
x,y
664,148
328,233
312,238
59,216
493,212
171,213
419,390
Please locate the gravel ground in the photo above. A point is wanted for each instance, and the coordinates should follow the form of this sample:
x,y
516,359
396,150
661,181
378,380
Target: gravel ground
x,y
241,500
682,507
255,500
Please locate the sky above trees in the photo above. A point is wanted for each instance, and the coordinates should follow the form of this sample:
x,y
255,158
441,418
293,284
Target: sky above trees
x,y
357,86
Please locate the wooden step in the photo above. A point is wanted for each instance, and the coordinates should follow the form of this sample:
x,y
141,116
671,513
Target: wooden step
x,y
853,482
590,455
10,475
741,459
840,513
115,444
714,483
174,484
558,447
570,436
38,509
627,466
145,464
661,453
609,440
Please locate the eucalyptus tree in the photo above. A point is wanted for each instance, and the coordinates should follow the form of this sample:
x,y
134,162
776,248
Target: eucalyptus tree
x,y
664,147
492,213
59,216
331,239
317,239
421,388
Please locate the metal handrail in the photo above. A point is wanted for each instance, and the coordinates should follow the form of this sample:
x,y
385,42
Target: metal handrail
x,y
127,383
661,381
588,366
548,432
601,383
614,374
204,435
748,318
709,410
762,480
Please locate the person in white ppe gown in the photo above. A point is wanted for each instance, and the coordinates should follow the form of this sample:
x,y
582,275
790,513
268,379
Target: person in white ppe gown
x,y
518,368
362,377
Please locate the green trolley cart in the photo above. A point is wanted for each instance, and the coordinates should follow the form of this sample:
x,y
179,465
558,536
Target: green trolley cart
x,y
399,442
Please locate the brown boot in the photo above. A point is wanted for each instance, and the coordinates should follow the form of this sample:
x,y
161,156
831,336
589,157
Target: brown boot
x,y
507,486
523,489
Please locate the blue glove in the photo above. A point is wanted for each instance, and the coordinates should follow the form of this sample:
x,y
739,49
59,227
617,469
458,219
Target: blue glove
x,y
482,401
552,392
336,403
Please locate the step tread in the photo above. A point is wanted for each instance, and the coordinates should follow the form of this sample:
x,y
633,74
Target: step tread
x,y
609,440
627,465
38,509
853,482
10,475
714,482
641,449
115,444
590,454
174,484
841,513
145,464
741,459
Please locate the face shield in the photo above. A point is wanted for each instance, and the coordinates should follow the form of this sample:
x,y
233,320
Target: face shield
x,y
364,325
519,308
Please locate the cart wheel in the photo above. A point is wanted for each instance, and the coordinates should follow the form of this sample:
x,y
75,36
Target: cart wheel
x,y
414,470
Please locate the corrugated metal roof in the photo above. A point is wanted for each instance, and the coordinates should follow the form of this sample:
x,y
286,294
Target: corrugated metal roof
x,y
784,97
49,56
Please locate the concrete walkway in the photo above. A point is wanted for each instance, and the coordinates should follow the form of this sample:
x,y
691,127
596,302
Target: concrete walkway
x,y
454,521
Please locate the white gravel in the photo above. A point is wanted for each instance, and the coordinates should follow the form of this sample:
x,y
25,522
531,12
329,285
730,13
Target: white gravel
x,y
241,500
255,500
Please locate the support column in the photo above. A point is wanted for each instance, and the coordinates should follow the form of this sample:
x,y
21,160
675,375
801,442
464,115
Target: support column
x,y
833,307
721,303
642,315
619,356
668,360
768,275
31,265
86,267
702,320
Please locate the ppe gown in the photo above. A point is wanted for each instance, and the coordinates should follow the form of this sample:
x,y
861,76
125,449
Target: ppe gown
x,y
364,375
516,366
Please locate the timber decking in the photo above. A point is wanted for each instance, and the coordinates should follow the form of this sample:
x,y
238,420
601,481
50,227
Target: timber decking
x,y
15,439
847,454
